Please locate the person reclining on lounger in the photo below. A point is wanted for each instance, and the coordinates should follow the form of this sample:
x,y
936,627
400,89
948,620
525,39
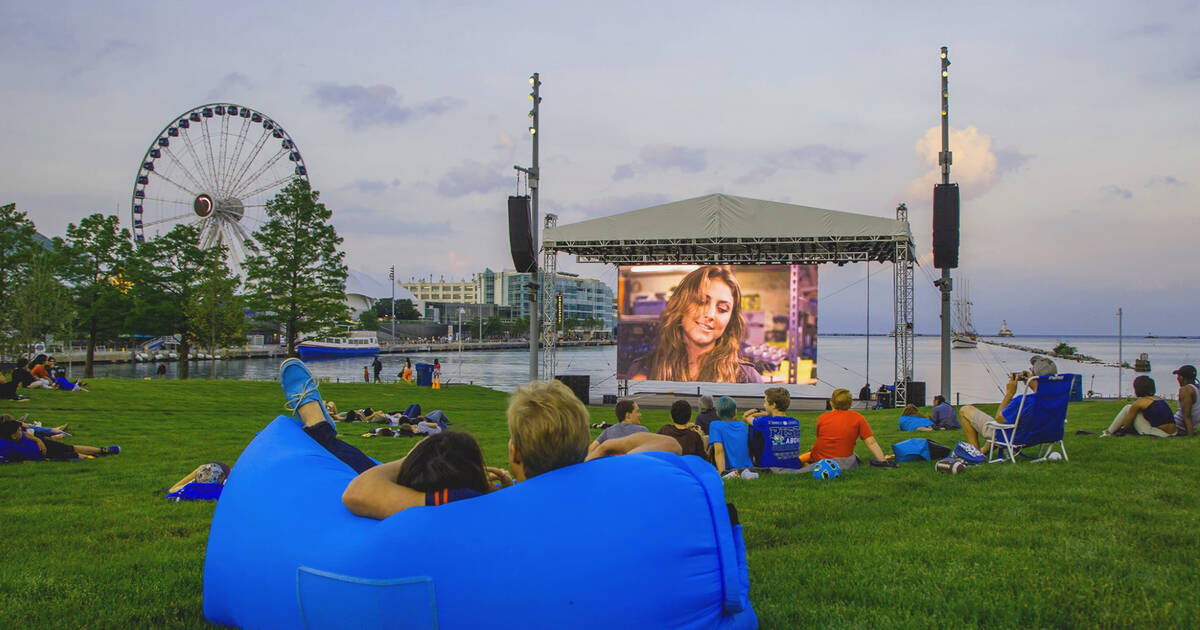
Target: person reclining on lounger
x,y
974,421
19,445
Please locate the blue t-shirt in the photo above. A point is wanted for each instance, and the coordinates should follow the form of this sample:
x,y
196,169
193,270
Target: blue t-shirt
x,y
733,436
1010,412
943,416
781,441
23,449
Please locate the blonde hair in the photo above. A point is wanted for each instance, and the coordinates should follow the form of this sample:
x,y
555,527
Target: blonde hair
x,y
548,425
840,399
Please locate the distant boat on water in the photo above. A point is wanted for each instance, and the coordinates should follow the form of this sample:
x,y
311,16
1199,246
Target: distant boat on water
x,y
362,344
1004,331
963,335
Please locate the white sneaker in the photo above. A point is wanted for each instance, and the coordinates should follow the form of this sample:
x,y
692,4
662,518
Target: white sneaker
x,y
749,474
733,474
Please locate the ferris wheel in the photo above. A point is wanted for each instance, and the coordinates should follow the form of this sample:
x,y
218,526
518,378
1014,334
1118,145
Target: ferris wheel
x,y
215,166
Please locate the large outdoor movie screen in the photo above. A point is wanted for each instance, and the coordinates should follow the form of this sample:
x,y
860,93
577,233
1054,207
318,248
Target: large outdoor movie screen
x,y
717,323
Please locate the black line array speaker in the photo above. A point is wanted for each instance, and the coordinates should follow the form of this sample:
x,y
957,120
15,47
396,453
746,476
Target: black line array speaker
x,y
580,384
945,226
520,236
916,393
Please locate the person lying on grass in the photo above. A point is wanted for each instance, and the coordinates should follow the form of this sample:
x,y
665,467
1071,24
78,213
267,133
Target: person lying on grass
x,y
53,433
839,430
18,445
423,426
1148,415
212,472
974,421
548,429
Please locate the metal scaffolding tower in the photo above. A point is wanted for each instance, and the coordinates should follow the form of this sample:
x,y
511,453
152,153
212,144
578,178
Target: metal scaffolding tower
x,y
903,287
550,303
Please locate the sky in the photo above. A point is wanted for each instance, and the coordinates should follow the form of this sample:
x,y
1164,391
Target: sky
x,y
1075,131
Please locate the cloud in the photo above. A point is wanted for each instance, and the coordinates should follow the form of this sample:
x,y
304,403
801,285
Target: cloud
x,y
756,175
371,186
606,206
1156,29
364,220
1010,160
975,165
1116,192
819,157
1164,180
94,59
232,82
505,148
663,157
473,177
622,171
378,105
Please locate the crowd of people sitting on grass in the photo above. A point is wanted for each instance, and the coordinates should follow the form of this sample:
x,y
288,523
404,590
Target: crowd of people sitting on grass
x,y
41,372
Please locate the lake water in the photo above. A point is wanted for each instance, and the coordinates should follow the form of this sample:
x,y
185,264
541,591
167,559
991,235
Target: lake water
x,y
977,375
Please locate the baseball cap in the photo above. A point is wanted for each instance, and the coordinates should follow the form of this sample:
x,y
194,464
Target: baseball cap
x,y
1043,366
1187,371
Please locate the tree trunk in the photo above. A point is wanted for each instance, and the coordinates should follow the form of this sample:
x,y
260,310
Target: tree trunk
x,y
291,337
91,353
183,357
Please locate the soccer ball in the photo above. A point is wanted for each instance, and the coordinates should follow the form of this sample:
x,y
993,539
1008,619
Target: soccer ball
x,y
827,469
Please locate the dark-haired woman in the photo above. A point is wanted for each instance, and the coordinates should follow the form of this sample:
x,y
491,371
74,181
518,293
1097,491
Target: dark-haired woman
x,y
700,333
1148,415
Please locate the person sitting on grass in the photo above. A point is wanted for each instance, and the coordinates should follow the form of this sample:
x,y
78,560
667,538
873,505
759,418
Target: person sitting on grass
x,y
19,445
548,429
911,419
729,438
629,421
1148,415
974,421
707,413
24,378
691,439
1187,419
774,436
943,415
839,430
8,390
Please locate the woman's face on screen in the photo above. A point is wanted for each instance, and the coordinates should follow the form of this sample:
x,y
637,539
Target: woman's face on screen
x,y
708,316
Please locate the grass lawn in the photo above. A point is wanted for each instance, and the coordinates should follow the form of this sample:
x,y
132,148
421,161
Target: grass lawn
x,y
1109,539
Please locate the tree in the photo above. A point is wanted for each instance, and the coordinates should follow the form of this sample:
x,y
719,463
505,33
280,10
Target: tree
x,y
215,311
404,309
369,320
166,275
94,260
45,304
296,278
17,246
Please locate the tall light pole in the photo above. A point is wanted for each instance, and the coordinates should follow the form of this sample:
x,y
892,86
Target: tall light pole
x,y
945,284
535,283
1120,358
392,278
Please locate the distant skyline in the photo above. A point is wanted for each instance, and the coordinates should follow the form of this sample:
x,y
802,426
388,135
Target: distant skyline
x,y
1075,134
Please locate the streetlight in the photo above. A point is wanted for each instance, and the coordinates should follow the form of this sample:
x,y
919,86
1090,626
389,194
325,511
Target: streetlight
x,y
392,278
461,312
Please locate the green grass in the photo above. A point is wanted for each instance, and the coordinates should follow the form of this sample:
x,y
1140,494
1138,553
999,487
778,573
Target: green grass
x,y
1109,539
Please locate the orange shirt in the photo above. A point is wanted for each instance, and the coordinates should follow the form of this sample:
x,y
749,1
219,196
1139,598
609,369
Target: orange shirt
x,y
39,371
836,433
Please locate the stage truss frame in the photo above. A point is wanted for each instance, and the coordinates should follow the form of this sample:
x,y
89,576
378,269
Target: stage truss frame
x,y
896,248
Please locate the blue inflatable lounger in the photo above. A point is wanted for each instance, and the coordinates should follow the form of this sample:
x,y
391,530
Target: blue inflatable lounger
x,y
637,541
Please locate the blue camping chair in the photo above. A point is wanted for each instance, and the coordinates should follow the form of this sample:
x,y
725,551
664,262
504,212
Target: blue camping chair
x,y
1041,419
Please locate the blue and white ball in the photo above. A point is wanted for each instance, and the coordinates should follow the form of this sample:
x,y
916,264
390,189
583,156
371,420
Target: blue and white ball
x,y
827,469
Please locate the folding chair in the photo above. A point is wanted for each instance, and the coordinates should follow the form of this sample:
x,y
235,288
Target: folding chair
x,y
1041,419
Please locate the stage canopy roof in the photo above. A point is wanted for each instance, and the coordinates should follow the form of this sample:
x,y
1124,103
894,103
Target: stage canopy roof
x,y
724,229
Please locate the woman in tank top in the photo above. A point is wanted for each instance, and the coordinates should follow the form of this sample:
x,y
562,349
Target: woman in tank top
x,y
1188,415
1148,415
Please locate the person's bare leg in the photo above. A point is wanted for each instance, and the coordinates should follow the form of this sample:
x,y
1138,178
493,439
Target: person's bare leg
x,y
310,413
968,428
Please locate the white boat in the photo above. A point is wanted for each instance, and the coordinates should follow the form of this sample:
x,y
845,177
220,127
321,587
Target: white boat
x,y
1004,331
963,335
357,343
